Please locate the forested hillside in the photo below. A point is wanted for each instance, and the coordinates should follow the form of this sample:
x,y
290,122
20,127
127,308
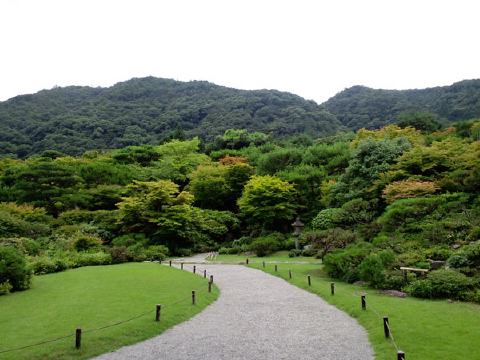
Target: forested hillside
x,y
360,106
148,111
372,202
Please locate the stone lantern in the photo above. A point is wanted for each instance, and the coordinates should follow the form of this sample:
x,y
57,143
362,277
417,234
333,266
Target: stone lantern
x,y
297,230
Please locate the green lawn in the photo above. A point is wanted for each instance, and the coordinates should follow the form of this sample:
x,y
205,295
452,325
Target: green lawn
x,y
93,297
423,329
278,257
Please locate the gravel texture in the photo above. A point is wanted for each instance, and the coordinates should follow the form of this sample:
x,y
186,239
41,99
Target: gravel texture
x,y
257,316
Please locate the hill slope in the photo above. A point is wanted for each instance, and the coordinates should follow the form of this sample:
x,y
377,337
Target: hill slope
x,y
360,106
147,110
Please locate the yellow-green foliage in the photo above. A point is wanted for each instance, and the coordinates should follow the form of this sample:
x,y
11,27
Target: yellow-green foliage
x,y
390,132
267,200
408,189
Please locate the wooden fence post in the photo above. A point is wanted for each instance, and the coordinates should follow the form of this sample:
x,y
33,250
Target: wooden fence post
x,y
289,273
157,312
181,266
386,329
193,297
205,273
263,264
332,288
276,268
246,261
364,303
309,280
170,263
78,338
211,279
400,355
194,269
209,286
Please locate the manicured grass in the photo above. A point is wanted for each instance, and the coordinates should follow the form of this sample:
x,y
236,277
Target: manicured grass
x,y
278,257
423,329
93,297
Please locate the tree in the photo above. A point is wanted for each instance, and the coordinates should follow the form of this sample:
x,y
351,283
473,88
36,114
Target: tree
x,y
268,202
14,269
42,183
423,121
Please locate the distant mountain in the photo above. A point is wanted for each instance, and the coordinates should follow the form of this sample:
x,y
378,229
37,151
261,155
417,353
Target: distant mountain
x,y
360,106
148,110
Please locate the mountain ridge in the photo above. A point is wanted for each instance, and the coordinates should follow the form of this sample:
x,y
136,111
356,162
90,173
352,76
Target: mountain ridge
x,y
149,110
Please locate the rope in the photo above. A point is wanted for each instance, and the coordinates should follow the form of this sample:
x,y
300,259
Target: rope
x,y
36,344
101,327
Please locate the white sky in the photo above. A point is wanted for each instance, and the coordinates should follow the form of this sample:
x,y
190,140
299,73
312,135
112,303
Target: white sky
x,y
312,48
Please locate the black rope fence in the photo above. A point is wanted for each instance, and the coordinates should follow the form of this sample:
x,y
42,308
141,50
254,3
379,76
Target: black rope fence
x,y
145,313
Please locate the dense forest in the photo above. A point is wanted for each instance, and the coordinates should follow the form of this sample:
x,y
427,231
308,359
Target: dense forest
x,y
149,111
362,107
372,201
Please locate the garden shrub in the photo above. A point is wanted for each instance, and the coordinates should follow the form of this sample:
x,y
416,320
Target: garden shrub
x,y
439,253
343,264
26,245
289,244
294,253
263,246
327,218
85,242
97,258
46,265
372,269
5,288
129,239
156,253
14,269
411,259
467,259
309,252
120,254
442,284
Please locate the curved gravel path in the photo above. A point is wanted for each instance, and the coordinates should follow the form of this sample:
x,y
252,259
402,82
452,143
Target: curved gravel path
x,y
257,316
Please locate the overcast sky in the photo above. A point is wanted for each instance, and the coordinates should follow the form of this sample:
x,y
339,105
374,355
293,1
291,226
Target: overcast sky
x,y
312,48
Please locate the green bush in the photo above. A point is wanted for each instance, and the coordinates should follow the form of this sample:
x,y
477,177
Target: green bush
x,y
120,254
5,288
343,264
294,253
25,245
373,268
97,258
263,246
130,239
442,284
289,244
309,252
327,218
14,269
86,242
438,253
156,253
46,265
467,256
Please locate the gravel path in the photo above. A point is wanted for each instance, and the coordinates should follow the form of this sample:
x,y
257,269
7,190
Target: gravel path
x,y
257,316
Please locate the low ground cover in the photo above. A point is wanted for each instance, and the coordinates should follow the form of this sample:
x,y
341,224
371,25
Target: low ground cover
x,y
92,298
